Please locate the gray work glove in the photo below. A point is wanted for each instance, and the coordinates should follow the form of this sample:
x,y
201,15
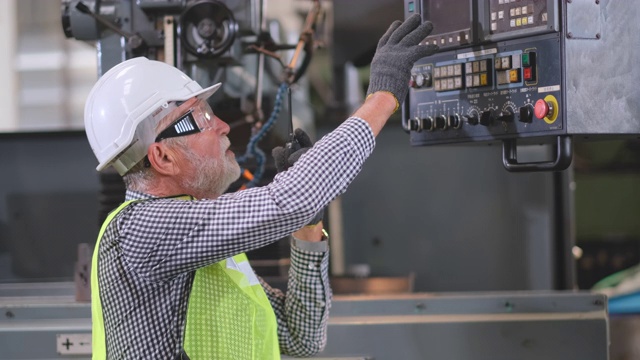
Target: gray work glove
x,y
397,51
286,156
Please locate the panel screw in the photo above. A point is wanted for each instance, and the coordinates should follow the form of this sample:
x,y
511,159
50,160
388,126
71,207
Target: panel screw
x,y
508,306
569,35
9,315
598,36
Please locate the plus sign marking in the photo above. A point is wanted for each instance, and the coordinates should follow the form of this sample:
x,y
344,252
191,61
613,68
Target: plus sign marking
x,y
73,344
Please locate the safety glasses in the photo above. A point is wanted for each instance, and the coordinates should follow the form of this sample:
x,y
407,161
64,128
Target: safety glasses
x,y
187,123
184,125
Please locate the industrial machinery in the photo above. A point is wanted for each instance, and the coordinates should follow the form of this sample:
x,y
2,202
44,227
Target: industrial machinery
x,y
569,81
211,41
533,71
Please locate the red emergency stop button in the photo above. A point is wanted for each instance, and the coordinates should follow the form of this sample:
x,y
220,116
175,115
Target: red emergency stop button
x,y
541,109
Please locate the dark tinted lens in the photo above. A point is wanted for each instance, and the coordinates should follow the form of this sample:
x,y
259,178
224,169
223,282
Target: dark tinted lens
x,y
184,125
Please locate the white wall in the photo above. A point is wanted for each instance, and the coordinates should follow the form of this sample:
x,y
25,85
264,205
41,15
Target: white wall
x,y
8,90
49,76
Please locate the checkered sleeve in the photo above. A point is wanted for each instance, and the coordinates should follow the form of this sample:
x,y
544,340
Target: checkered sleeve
x,y
303,312
164,238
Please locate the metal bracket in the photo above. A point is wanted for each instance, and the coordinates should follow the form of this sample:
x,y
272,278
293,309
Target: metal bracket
x,y
583,19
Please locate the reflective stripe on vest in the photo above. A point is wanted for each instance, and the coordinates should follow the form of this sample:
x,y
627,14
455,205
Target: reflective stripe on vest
x,y
228,316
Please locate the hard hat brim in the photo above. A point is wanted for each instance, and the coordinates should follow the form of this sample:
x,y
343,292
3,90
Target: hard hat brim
x,y
207,92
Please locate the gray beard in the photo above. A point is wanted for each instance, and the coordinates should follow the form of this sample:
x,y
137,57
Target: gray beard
x,y
213,177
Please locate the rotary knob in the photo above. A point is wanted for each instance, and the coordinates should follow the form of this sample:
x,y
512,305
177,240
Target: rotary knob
x,y
526,114
472,119
486,118
506,116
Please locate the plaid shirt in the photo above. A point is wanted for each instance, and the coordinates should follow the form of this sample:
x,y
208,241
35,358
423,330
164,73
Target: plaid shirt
x,y
149,253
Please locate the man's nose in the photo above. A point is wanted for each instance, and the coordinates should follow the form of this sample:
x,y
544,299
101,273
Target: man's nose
x,y
223,126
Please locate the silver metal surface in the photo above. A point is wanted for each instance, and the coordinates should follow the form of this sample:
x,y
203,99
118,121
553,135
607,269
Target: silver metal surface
x,y
583,19
502,326
602,76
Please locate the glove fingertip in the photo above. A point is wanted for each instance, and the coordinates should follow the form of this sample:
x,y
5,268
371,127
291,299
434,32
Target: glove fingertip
x,y
303,139
392,28
428,25
277,151
278,154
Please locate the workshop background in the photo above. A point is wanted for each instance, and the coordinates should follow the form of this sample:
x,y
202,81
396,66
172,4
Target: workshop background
x,y
417,223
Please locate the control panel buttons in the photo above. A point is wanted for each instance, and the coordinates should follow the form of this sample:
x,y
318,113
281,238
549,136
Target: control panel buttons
x,y
529,66
547,109
422,75
414,124
502,77
477,73
440,122
418,124
419,80
514,75
427,123
447,77
454,121
528,74
505,62
542,109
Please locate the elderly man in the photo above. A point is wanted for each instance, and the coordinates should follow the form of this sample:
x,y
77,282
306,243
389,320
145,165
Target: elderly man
x,y
169,277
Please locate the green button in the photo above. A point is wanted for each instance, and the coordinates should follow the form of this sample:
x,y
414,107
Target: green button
x,y
411,8
525,59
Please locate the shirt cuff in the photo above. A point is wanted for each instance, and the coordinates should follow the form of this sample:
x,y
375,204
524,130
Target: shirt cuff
x,y
318,246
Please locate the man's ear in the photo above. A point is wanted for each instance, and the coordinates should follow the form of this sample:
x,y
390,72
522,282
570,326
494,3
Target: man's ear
x,y
163,159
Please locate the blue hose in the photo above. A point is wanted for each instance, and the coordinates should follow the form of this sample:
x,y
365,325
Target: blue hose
x,y
253,151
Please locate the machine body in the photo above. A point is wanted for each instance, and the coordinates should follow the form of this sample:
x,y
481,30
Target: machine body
x,y
536,71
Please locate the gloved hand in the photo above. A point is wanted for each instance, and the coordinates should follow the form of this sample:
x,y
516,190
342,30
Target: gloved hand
x,y
286,156
395,55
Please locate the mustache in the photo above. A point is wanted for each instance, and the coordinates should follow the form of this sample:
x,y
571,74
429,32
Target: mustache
x,y
225,143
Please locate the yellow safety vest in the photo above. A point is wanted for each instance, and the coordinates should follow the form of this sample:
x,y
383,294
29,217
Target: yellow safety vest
x,y
228,316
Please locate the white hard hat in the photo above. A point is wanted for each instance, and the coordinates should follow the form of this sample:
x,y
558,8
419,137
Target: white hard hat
x,y
125,105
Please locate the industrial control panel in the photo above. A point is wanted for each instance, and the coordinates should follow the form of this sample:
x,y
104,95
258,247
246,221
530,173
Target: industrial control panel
x,y
524,70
